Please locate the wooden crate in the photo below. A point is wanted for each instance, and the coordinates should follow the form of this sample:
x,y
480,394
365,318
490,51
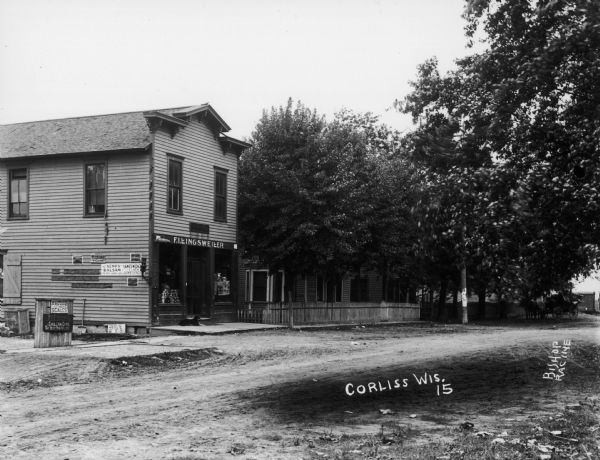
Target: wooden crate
x,y
18,321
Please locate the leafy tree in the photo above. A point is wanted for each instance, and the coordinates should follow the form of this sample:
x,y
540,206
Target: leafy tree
x,y
324,198
279,211
520,123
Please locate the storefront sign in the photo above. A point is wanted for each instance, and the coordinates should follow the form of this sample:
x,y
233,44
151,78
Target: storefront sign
x,y
120,270
189,241
57,322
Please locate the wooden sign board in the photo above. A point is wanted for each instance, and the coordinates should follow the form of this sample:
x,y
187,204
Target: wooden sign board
x,y
97,258
115,328
57,322
57,306
129,269
53,323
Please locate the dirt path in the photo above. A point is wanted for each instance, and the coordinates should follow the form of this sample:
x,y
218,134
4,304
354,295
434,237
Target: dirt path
x,y
271,393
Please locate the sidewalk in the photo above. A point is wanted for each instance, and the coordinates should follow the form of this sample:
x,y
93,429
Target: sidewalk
x,y
212,329
165,339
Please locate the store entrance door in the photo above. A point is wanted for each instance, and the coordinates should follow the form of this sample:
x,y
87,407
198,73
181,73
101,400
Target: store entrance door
x,y
197,298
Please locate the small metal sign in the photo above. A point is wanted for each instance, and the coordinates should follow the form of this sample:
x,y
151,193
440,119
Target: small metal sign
x,y
59,307
115,328
97,258
57,322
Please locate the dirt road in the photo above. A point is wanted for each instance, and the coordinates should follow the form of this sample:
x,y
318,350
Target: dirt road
x,y
280,394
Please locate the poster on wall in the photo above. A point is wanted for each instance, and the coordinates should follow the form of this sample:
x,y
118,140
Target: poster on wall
x,y
97,258
128,269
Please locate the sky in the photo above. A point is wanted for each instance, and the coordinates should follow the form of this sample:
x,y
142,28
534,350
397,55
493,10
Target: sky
x,y
67,58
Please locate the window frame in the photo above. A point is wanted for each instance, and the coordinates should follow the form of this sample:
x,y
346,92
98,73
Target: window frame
x,y
179,161
10,215
86,213
223,172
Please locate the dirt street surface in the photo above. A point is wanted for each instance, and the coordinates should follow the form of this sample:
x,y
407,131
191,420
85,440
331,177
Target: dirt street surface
x,y
415,391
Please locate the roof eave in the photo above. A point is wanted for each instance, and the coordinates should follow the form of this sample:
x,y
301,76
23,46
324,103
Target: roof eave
x,y
231,144
165,117
145,149
204,109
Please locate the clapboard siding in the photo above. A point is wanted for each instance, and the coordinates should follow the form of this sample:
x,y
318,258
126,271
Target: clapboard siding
x,y
57,230
201,152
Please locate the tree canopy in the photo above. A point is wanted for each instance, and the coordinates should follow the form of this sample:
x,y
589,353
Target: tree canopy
x,y
323,197
516,127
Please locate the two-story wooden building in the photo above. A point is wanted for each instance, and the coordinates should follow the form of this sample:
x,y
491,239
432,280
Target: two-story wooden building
x,y
133,216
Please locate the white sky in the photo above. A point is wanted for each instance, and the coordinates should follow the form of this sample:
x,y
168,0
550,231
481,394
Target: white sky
x,y
64,58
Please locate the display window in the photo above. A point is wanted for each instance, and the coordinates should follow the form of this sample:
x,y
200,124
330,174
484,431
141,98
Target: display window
x,y
223,271
170,274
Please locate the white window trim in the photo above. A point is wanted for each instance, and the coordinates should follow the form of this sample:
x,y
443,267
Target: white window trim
x,y
270,284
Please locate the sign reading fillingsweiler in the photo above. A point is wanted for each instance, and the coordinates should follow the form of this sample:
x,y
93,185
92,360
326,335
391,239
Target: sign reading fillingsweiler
x,y
128,269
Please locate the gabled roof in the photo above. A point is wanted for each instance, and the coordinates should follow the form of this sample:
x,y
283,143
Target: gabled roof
x,y
102,133
123,131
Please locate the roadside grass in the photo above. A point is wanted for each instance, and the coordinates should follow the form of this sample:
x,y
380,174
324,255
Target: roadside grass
x,y
572,434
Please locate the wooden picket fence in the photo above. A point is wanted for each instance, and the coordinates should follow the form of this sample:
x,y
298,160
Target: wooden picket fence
x,y
330,313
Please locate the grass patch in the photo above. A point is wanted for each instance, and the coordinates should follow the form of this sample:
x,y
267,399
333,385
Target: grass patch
x,y
572,433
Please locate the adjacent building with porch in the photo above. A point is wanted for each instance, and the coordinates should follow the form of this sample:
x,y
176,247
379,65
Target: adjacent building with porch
x,y
132,216
357,297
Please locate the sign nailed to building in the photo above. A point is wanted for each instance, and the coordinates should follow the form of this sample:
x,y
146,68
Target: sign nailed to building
x,y
130,269
97,258
57,322
189,241
59,306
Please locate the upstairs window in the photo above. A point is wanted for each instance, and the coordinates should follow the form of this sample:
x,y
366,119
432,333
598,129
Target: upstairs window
x,y
19,199
174,198
95,189
220,195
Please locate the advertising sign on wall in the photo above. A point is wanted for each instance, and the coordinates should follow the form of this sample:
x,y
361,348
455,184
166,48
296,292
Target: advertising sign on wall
x,y
129,269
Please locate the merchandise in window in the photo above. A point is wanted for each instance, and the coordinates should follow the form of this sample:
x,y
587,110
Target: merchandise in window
x,y
223,271
169,273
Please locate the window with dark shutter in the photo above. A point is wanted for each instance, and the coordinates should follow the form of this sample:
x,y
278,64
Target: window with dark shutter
x,y
220,195
12,279
175,197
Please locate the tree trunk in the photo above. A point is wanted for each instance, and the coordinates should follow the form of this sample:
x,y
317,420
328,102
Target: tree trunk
x,y
481,304
502,306
454,311
386,282
441,309
358,289
463,290
290,311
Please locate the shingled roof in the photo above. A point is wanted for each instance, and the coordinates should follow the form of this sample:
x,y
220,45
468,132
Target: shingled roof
x,y
102,133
